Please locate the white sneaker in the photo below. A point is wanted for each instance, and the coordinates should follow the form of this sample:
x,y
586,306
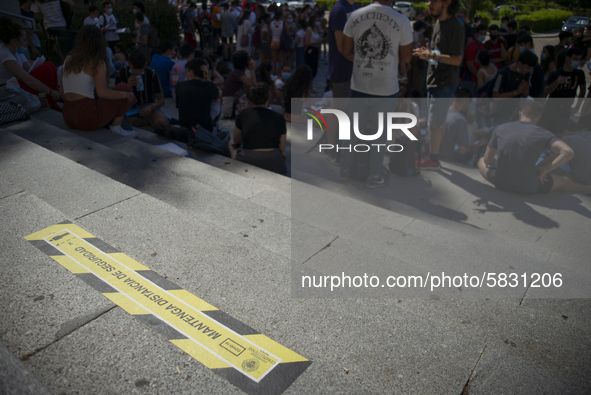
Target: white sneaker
x,y
119,130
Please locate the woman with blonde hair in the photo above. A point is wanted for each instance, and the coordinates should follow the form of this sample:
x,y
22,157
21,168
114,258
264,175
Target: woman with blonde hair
x,y
85,70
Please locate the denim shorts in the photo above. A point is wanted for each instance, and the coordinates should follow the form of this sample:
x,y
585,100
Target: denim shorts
x,y
439,103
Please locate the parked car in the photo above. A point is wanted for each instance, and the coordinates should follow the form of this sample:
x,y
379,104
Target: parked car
x,y
406,9
574,22
295,4
512,7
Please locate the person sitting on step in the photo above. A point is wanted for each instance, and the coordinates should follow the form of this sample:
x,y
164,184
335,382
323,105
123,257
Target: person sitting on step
x,y
259,133
85,70
146,87
14,63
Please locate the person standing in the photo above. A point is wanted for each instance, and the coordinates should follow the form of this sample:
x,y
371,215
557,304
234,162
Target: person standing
x,y
312,42
377,38
228,20
108,23
443,72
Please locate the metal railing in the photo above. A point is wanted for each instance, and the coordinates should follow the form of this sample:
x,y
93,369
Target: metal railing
x,y
29,24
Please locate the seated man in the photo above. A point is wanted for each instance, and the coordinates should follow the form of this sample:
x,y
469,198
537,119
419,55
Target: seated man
x,y
195,95
260,133
519,146
456,131
162,64
146,87
178,72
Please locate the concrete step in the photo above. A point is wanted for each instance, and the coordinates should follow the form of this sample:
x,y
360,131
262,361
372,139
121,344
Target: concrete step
x,y
135,148
264,214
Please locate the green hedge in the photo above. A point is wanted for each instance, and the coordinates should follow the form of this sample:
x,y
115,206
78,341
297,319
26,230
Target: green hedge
x,y
544,20
163,17
506,12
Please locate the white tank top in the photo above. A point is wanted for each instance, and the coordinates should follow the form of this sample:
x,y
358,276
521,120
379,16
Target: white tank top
x,y
276,29
80,83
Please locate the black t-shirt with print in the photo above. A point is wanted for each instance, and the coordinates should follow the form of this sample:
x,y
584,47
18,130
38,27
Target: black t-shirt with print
x,y
574,79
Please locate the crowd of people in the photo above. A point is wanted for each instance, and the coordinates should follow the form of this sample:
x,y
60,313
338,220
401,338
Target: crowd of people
x,y
211,71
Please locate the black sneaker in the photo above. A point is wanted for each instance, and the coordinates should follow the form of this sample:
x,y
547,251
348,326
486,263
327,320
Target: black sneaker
x,y
376,182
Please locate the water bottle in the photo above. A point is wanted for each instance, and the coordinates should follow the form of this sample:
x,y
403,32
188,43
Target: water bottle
x,y
140,83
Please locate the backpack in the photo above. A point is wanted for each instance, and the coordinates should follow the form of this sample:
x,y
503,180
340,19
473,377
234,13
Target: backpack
x,y
206,27
174,132
207,141
405,163
153,39
240,103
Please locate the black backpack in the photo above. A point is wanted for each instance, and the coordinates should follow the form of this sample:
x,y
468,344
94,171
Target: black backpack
x,y
207,141
404,163
197,137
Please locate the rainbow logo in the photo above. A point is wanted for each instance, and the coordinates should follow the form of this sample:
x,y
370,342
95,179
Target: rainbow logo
x,y
315,116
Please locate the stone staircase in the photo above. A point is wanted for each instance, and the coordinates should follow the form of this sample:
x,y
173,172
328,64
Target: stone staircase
x,y
239,237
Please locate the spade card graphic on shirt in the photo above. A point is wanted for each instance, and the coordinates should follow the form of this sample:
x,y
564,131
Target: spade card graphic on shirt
x,y
373,45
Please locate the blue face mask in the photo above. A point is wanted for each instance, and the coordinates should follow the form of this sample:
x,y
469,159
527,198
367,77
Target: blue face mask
x,y
21,50
575,64
109,11
543,56
521,48
462,20
285,76
482,38
317,24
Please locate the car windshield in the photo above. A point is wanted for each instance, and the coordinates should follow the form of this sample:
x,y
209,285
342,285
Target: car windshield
x,y
578,21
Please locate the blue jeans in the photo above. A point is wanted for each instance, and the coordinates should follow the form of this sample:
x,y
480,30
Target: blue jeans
x,y
439,103
367,111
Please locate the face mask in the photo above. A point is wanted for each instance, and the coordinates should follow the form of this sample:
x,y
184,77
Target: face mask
x,y
518,70
21,50
575,64
134,11
502,25
493,37
109,11
521,48
462,20
481,38
285,76
317,24
543,56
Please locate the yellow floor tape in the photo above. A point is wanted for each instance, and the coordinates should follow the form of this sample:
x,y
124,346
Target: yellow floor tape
x,y
248,359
